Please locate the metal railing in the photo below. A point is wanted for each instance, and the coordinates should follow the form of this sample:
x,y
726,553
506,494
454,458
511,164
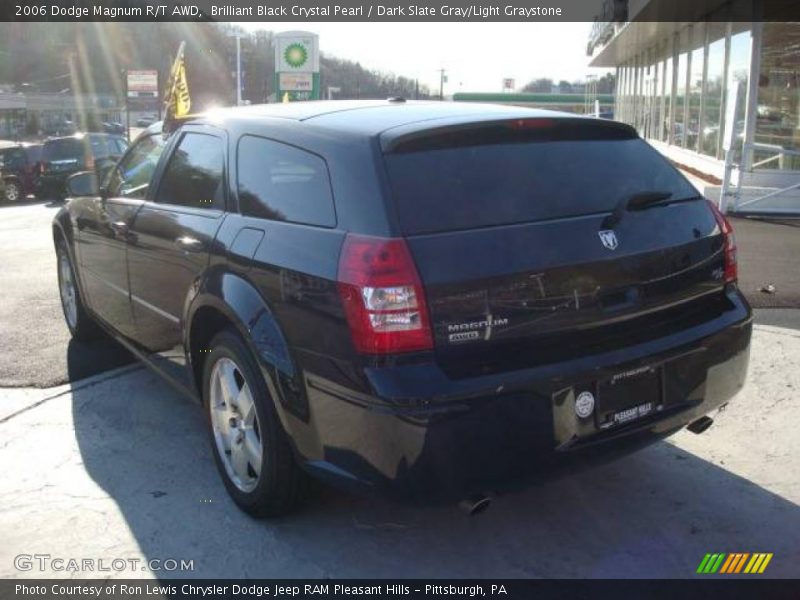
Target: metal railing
x,y
780,153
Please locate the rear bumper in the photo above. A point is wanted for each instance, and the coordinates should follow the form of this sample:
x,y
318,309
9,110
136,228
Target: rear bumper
x,y
423,435
52,183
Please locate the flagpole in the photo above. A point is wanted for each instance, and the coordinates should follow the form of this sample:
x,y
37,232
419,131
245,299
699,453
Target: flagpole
x,y
177,86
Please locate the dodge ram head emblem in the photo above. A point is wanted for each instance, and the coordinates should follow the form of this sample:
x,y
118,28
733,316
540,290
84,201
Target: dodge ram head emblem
x,y
609,239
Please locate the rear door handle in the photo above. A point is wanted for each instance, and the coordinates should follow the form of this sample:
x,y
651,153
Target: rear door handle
x,y
189,244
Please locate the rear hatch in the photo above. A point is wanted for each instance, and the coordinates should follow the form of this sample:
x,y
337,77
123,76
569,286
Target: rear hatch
x,y
510,226
63,155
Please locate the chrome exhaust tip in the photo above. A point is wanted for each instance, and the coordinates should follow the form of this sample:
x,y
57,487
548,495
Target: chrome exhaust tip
x,y
475,504
700,425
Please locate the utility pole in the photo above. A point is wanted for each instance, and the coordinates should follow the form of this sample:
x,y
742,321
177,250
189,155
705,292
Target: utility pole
x,y
238,37
442,80
238,70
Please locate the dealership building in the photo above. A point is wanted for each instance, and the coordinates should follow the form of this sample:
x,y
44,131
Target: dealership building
x,y
677,81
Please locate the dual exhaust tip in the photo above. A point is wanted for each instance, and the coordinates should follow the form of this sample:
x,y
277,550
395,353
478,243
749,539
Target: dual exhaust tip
x,y
475,504
700,425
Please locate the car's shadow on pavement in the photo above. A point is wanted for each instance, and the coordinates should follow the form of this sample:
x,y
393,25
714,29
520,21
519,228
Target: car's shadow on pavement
x,y
85,359
652,514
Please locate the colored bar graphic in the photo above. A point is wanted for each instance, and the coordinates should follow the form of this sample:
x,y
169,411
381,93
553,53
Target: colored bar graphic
x,y
736,557
717,564
765,563
727,564
703,563
740,564
734,563
755,562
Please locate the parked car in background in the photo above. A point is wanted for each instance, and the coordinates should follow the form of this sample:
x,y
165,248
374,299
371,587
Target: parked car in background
x,y
59,128
423,298
63,156
20,167
114,127
144,122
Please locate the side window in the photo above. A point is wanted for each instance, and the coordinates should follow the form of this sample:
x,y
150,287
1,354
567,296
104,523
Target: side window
x,y
15,159
193,176
283,183
131,178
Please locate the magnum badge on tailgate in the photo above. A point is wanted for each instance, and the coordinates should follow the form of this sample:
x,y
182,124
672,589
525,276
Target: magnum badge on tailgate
x,y
474,330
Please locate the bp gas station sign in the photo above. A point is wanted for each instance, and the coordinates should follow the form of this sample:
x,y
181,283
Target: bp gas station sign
x,y
297,65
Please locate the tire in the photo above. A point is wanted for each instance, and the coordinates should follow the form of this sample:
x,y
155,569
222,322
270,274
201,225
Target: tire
x,y
251,449
81,326
13,192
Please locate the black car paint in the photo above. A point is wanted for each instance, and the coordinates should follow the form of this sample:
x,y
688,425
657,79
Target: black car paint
x,y
449,419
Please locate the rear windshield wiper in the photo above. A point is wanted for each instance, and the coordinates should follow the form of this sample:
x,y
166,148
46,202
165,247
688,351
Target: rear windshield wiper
x,y
640,201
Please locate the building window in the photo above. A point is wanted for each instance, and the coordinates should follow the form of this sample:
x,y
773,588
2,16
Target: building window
x,y
667,101
777,129
738,70
695,95
678,119
713,109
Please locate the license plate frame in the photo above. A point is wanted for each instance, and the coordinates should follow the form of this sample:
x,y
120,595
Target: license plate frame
x,y
629,396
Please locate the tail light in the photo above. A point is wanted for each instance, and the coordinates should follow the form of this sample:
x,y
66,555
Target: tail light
x,y
383,297
728,244
41,168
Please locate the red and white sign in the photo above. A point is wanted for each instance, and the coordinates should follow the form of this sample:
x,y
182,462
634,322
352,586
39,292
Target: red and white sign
x,y
143,83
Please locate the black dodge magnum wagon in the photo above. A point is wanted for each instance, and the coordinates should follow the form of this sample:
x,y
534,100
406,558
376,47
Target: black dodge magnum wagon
x,y
424,298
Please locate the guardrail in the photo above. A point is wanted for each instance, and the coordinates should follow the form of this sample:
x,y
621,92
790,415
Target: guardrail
x,y
780,153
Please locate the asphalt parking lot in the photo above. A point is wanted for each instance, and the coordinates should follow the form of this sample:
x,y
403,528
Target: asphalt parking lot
x,y
121,468
37,350
102,460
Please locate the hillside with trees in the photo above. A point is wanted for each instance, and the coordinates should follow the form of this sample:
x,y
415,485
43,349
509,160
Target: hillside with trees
x,y
92,58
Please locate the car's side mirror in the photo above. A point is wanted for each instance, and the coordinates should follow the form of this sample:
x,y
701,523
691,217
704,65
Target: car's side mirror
x,y
83,184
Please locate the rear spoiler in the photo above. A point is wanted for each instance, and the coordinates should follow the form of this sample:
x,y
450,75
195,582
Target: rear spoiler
x,y
419,137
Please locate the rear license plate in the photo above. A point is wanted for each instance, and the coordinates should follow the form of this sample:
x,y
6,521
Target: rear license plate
x,y
628,396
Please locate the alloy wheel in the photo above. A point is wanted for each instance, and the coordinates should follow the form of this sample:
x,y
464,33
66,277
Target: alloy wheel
x,y
12,192
237,432
69,299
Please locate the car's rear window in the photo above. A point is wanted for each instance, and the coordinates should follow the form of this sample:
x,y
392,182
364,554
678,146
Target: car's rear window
x,y
519,172
34,153
103,147
63,149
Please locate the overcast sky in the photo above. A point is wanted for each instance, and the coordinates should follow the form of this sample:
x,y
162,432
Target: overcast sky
x,y
477,56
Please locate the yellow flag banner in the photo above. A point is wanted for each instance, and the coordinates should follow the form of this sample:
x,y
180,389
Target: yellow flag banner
x,y
177,102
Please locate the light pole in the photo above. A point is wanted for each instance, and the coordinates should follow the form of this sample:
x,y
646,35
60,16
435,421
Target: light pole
x,y
442,79
238,37
238,70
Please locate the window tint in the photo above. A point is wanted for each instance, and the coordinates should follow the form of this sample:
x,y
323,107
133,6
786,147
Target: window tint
x,y
13,158
34,153
283,183
63,149
102,147
118,146
472,186
193,176
131,178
